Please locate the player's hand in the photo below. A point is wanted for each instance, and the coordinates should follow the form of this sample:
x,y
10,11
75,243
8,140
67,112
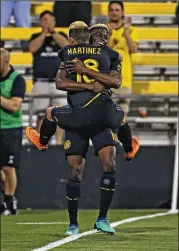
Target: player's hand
x,y
51,24
127,23
45,29
97,87
75,66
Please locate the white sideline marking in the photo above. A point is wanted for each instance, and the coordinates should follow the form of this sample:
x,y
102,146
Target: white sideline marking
x,y
42,223
114,224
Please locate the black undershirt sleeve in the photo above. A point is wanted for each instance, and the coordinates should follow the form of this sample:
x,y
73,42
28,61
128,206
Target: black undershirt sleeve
x,y
35,35
19,86
115,61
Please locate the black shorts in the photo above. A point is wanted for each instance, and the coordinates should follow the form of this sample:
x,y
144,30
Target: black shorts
x,y
100,114
10,147
78,143
119,115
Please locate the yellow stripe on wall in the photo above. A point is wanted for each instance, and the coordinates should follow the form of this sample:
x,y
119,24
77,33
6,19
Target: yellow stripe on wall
x,y
152,34
101,8
139,87
162,59
155,87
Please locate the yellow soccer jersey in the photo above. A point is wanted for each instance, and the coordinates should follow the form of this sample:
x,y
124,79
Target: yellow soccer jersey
x,y
118,43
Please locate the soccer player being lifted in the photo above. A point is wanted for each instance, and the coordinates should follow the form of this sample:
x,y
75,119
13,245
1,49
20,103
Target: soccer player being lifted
x,y
99,35
89,116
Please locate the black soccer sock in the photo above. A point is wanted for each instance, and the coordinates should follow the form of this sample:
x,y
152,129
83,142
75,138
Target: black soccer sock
x,y
2,195
2,192
8,199
47,130
107,191
73,195
125,137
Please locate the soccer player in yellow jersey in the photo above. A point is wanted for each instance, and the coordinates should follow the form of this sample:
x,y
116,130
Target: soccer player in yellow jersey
x,y
123,39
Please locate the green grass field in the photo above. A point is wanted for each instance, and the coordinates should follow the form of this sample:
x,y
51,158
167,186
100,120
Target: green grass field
x,y
158,234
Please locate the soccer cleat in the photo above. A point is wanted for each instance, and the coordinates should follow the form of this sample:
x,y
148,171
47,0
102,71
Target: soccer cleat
x,y
104,226
34,138
72,230
135,146
11,207
7,212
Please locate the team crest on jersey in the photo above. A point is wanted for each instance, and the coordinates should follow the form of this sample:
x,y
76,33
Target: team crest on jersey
x,y
11,159
67,144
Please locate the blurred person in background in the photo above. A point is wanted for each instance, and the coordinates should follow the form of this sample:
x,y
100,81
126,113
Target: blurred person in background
x,y
1,43
45,46
11,98
67,12
21,12
19,9
177,15
123,39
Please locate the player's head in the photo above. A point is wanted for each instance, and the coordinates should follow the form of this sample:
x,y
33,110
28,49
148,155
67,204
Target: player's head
x,y
78,33
45,18
116,11
5,60
99,34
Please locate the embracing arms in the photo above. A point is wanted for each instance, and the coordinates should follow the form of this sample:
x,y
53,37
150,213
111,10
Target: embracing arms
x,y
112,80
62,83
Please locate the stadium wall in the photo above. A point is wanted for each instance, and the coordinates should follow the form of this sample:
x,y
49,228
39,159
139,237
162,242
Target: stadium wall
x,y
144,183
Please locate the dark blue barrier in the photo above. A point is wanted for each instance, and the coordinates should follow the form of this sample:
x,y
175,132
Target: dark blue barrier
x,y
144,183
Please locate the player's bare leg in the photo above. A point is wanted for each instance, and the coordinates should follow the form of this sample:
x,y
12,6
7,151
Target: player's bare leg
x,y
47,130
59,136
10,185
107,156
73,191
39,122
10,180
2,178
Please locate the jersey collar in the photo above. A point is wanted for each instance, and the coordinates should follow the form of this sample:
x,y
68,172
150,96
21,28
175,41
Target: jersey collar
x,y
8,74
121,26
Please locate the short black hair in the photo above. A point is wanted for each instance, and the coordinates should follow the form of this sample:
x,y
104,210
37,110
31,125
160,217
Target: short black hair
x,y
121,3
46,12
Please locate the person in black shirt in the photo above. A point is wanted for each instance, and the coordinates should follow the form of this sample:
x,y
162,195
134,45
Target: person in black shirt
x,y
45,46
66,12
11,98
177,14
88,116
